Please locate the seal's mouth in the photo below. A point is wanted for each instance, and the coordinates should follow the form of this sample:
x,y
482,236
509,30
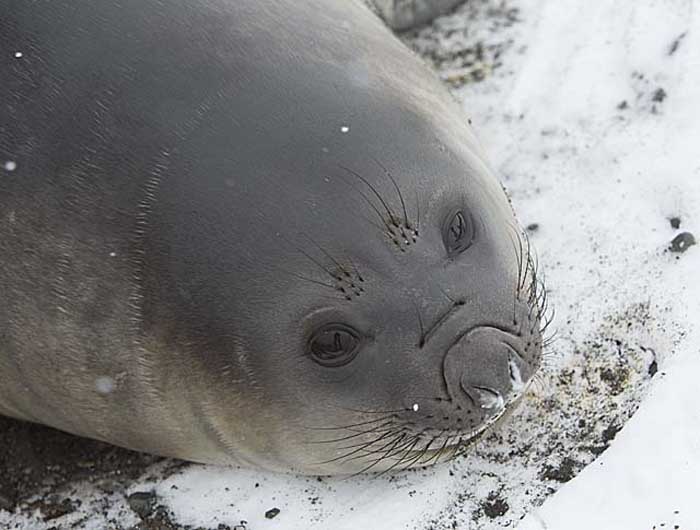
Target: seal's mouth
x,y
445,448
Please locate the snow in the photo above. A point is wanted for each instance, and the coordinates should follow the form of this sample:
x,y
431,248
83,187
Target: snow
x,y
590,114
630,172
651,474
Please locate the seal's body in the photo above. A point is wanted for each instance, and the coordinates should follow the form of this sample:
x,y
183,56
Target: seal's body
x,y
250,232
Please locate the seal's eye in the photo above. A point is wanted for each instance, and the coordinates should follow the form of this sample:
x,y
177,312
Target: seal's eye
x,y
458,233
334,345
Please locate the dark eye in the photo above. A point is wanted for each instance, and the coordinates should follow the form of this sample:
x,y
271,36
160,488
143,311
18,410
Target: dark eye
x,y
458,233
334,345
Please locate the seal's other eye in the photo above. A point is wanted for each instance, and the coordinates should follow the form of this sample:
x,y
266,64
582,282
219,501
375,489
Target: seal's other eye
x,y
458,233
334,345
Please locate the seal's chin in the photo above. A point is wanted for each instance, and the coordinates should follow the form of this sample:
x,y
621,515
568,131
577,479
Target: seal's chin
x,y
444,448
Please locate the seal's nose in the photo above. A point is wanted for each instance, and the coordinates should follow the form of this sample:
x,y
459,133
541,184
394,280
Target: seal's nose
x,y
477,370
485,370
487,398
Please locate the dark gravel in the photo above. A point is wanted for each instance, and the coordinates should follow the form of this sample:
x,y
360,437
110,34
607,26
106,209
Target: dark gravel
x,y
40,459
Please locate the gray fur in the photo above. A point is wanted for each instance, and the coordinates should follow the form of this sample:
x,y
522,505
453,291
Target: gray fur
x,y
197,186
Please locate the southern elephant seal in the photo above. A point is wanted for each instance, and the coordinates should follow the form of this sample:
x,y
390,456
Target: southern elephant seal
x,y
251,232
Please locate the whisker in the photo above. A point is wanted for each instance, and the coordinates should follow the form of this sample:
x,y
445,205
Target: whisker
x,y
441,452
417,214
436,455
405,452
318,263
372,411
374,190
371,204
369,452
398,190
365,445
327,254
379,459
351,425
351,453
301,277
455,450
354,268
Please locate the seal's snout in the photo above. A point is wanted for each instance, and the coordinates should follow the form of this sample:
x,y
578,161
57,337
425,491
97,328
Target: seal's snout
x,y
487,398
489,367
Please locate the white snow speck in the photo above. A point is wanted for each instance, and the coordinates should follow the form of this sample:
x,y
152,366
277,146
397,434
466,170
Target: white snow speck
x,y
18,55
104,385
10,165
516,377
415,407
344,129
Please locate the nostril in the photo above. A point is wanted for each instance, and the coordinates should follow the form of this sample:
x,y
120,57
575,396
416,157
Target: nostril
x,y
488,398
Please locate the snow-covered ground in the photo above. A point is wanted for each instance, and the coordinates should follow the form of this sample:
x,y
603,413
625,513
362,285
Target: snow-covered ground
x,y
590,112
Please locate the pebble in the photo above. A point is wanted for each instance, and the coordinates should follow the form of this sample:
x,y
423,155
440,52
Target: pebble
x,y
682,242
142,502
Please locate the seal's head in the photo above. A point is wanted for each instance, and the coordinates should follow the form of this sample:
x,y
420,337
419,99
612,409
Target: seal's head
x,y
361,315
347,287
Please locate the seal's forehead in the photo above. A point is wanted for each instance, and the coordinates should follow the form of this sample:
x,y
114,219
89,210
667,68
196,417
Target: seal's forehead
x,y
319,182
266,184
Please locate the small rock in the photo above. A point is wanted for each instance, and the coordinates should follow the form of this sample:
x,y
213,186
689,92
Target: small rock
x,y
653,368
622,105
494,506
659,95
682,242
675,222
142,502
533,227
54,508
674,45
271,514
609,433
562,473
